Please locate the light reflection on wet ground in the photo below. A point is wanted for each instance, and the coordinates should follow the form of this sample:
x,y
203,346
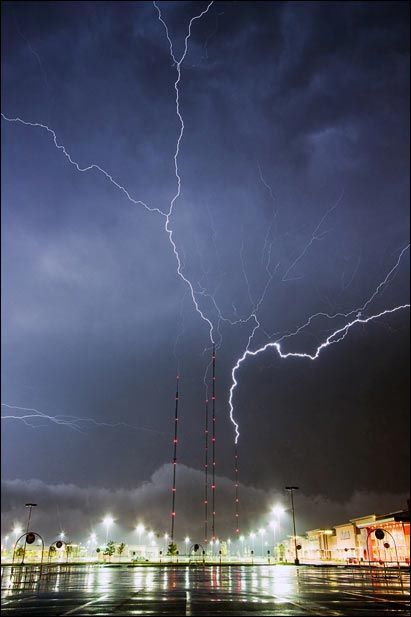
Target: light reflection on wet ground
x,y
210,590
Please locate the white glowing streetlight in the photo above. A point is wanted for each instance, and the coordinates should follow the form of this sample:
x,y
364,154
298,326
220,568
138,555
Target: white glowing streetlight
x,y
262,532
278,510
107,522
62,535
140,529
274,526
17,531
252,538
166,536
150,535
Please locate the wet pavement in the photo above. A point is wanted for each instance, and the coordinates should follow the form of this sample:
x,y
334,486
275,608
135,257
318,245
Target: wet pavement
x,y
208,590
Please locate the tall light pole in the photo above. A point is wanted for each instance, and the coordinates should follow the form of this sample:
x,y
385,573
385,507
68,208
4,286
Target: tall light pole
x,y
30,506
140,530
108,521
262,532
291,490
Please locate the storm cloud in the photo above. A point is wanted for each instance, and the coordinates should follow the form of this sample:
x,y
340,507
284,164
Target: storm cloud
x,y
289,108
79,511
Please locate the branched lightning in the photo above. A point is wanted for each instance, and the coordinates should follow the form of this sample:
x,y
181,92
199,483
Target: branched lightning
x,y
93,166
315,236
168,228
335,337
75,423
90,167
354,317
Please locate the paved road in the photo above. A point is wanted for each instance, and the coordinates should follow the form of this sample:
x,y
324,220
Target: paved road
x,y
210,590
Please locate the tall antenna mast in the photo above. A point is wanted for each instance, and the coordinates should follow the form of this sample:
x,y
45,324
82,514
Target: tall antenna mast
x,y
237,499
213,447
175,441
206,472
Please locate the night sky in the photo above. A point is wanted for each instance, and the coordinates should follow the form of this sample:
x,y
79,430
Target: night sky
x,y
294,161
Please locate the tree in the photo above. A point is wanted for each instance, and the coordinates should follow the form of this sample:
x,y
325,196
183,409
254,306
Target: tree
x,y
172,549
120,549
19,552
110,549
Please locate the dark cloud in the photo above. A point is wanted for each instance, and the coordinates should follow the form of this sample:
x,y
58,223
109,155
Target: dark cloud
x,y
78,511
313,95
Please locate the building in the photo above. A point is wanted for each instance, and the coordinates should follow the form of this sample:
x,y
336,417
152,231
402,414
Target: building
x,y
393,546
356,542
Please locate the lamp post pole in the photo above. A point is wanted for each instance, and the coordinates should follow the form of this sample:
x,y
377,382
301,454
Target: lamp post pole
x,y
29,506
291,490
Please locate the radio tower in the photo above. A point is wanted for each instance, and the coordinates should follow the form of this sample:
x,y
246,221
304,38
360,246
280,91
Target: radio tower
x,y
213,447
175,441
206,472
237,500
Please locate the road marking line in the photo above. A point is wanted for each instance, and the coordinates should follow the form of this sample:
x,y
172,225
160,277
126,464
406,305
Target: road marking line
x,y
18,600
78,608
363,595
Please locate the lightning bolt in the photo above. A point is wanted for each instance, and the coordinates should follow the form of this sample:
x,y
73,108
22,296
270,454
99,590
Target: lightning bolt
x,y
168,228
93,166
315,236
335,337
73,422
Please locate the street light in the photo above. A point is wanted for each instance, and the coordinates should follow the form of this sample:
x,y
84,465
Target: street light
x,y
62,535
140,530
17,531
274,526
30,506
291,490
108,521
278,510
186,541
242,544
252,536
262,532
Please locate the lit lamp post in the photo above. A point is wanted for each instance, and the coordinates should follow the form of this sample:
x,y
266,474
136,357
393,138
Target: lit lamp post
x,y
252,537
165,543
186,541
291,490
262,532
17,531
277,512
140,530
92,542
274,525
108,521
242,545
30,506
